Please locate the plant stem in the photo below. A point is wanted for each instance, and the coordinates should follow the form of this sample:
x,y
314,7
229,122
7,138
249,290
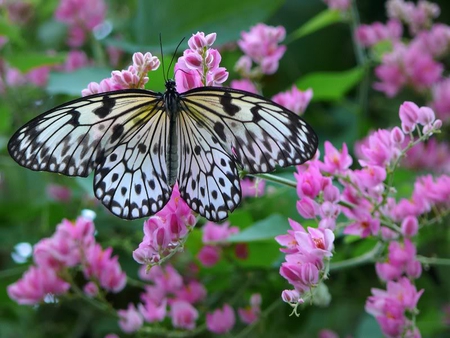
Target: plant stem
x,y
368,257
276,179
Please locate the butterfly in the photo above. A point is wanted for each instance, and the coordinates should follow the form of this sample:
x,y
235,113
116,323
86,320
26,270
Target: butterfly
x,y
139,143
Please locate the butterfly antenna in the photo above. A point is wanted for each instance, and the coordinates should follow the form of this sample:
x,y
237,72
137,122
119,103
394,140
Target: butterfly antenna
x,y
162,58
173,56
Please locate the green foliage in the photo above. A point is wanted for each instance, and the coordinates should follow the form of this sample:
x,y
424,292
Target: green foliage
x,y
341,111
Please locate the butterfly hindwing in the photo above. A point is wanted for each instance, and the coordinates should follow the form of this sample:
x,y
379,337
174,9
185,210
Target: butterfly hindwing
x,y
207,176
258,133
132,180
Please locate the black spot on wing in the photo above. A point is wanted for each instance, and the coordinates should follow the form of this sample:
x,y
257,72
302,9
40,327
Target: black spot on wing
x,y
118,130
229,108
74,118
106,108
219,128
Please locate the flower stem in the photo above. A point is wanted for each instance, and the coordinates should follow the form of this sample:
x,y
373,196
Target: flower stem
x,y
276,179
368,257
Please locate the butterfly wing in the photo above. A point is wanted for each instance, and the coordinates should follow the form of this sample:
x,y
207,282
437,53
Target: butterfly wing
x,y
221,126
121,135
257,132
207,175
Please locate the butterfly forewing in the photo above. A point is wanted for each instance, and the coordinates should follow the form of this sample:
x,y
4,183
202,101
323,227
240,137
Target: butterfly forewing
x,y
122,135
258,133
207,176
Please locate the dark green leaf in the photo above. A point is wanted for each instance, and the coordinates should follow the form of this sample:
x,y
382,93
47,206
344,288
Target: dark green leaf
x,y
268,228
73,83
27,61
321,20
331,86
226,18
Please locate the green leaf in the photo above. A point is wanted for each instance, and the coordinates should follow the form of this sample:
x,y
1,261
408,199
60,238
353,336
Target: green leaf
x,y
321,20
11,31
73,83
331,86
268,228
226,18
379,49
27,61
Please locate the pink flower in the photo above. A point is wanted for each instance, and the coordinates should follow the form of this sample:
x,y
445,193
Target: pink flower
x,y
59,193
106,269
336,162
307,207
153,312
75,59
39,76
369,35
130,319
199,65
302,275
295,100
167,277
377,149
91,289
324,333
215,233
364,226
261,45
251,313
389,306
221,320
290,296
245,85
341,5
193,292
209,255
80,15
409,116
252,187
410,226
183,315
35,284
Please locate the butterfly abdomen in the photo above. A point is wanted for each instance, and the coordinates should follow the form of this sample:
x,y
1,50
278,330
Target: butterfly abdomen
x,y
171,102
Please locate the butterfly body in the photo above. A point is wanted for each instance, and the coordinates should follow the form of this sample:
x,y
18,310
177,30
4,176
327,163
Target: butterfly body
x,y
139,143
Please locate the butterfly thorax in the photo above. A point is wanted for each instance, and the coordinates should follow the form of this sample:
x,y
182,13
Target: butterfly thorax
x,y
171,102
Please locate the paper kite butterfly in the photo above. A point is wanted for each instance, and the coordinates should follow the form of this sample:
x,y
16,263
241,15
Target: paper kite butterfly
x,y
139,143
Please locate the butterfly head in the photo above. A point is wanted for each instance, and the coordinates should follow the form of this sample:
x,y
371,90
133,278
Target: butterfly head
x,y
171,86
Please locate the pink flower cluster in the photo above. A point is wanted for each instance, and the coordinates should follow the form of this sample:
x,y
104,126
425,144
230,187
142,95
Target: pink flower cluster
x,y
251,313
165,231
392,307
136,76
72,245
215,239
295,100
82,16
199,65
367,202
167,290
415,63
261,46
169,296
306,253
418,16
340,5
